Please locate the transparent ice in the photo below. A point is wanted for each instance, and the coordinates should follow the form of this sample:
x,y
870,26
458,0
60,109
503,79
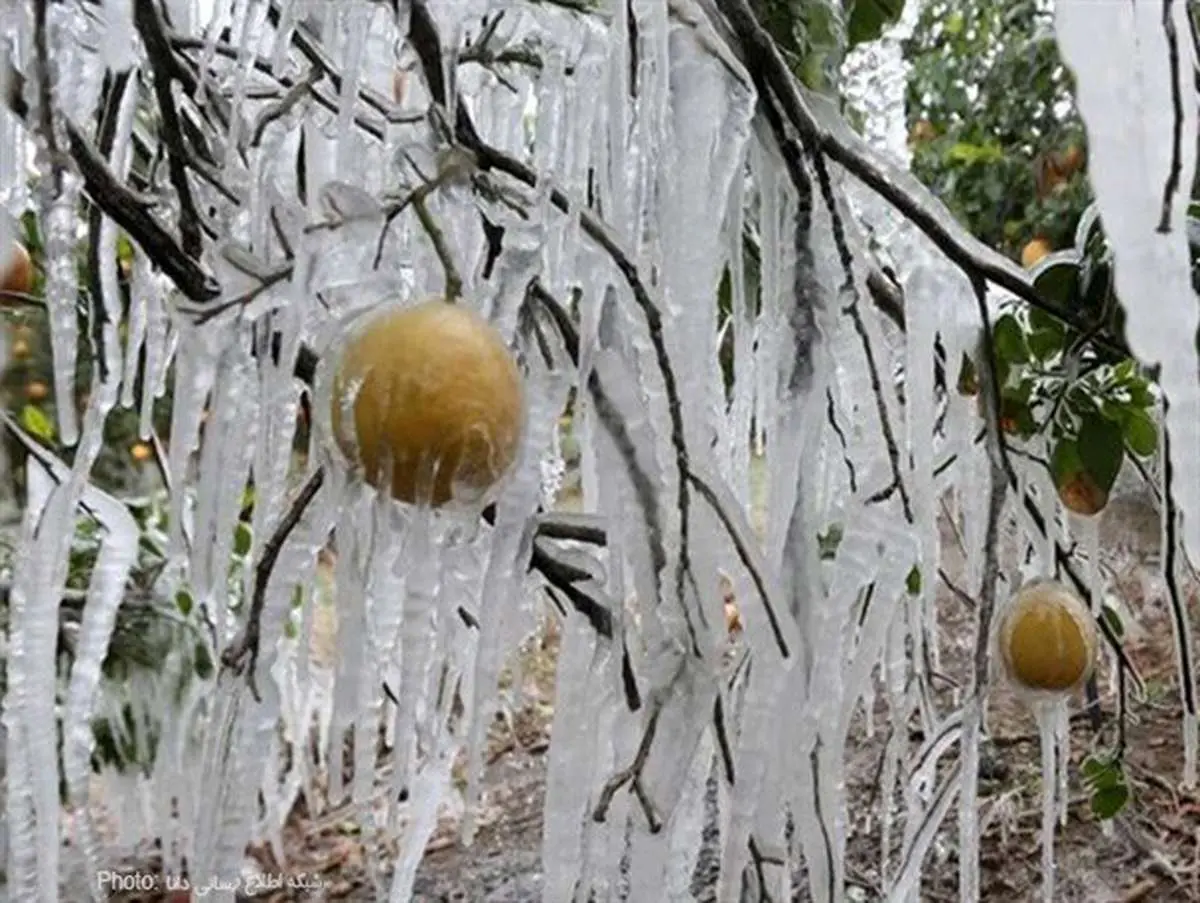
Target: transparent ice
x,y
650,174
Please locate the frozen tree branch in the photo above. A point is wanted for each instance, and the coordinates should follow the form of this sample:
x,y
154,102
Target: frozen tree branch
x,y
242,654
126,208
150,25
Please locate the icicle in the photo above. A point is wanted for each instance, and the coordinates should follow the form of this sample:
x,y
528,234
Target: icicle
x,y
357,20
118,553
1047,718
62,298
572,761
1141,169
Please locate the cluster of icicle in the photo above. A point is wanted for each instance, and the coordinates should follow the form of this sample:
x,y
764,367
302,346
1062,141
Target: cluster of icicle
x,y
663,136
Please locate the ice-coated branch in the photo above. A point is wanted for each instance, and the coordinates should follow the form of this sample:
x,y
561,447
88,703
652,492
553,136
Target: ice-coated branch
x,y
1171,556
425,39
115,86
45,90
150,26
997,490
125,207
632,775
242,654
1171,186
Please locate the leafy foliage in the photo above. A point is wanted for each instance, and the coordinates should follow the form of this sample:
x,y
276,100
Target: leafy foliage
x,y
992,120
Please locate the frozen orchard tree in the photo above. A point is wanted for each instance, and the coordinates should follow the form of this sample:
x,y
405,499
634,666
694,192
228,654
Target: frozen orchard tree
x,y
246,181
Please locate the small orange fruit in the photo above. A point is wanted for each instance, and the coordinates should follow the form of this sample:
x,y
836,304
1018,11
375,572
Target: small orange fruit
x,y
141,452
922,132
1081,495
1047,638
437,400
37,391
1034,251
20,349
18,272
1072,160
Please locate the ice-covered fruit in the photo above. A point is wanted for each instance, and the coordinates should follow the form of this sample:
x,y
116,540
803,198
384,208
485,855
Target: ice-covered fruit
x,y
141,452
437,401
1047,638
18,272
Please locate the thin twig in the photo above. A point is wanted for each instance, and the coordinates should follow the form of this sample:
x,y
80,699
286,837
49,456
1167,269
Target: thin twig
x,y
152,29
632,774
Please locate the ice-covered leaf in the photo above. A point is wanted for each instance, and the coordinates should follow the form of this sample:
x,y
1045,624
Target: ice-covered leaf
x,y
1101,449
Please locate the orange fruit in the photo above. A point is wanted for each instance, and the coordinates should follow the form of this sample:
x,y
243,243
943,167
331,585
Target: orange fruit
x,y
922,132
437,400
1072,160
37,391
141,452
1080,494
20,349
1047,638
1034,251
18,272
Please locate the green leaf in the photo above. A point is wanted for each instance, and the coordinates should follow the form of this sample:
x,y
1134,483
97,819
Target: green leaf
x,y
241,539
1101,449
35,422
829,541
913,581
1044,344
968,378
1109,801
1065,461
1140,393
183,601
964,152
1141,433
1056,277
868,18
1110,616
203,661
1009,339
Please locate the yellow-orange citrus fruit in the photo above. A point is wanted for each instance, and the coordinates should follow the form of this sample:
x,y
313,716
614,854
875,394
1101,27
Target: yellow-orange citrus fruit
x,y
1080,494
1047,638
20,349
37,391
437,400
1073,159
1034,251
18,272
141,452
922,131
